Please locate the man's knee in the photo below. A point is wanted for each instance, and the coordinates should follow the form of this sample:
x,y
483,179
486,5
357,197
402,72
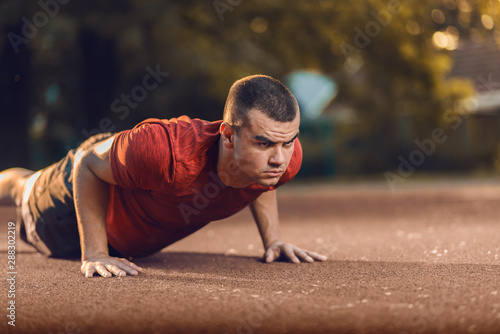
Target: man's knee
x,y
12,184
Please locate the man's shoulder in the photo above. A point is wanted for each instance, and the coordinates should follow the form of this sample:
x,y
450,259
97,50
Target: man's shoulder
x,y
172,149
193,144
188,137
182,124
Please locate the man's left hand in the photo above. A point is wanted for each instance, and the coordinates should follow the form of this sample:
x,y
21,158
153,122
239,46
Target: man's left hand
x,y
280,250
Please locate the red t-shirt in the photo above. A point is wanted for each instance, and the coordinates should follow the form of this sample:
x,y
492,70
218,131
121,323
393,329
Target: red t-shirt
x,y
168,186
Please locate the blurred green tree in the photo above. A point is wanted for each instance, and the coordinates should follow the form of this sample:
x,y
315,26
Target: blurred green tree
x,y
61,83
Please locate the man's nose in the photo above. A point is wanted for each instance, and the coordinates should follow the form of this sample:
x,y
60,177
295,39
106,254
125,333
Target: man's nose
x,y
278,157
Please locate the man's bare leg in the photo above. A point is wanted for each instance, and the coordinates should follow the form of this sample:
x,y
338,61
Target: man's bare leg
x,y
12,185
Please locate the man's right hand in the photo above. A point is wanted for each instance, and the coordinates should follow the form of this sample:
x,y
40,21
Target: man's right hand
x,y
107,266
91,179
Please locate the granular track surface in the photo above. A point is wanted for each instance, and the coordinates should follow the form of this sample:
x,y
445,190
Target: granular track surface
x,y
421,259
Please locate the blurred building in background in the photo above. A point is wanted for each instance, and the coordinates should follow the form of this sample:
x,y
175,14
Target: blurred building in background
x,y
479,61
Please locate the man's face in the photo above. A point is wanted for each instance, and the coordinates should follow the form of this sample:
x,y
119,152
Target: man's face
x,y
263,148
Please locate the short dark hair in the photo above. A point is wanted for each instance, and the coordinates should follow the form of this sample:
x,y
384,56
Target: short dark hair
x,y
263,93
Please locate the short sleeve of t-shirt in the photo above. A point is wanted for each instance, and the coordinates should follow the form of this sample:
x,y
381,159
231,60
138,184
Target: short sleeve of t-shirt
x,y
143,157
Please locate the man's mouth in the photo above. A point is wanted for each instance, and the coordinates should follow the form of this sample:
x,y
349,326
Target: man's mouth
x,y
274,173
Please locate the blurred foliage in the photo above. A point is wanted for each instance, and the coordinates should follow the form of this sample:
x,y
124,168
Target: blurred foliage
x,y
63,81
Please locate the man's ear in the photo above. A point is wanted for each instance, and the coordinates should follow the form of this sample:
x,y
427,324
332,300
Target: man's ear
x,y
227,134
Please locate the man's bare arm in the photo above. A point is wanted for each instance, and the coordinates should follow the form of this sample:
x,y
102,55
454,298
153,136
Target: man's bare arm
x,y
265,212
92,176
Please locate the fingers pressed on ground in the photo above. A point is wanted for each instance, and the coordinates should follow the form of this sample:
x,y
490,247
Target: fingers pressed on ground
x,y
304,255
131,271
308,259
89,272
316,256
133,265
115,270
128,268
102,271
272,254
269,258
291,255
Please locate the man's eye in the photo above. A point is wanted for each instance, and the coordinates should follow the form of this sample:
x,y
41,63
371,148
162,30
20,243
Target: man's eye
x,y
290,143
263,144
